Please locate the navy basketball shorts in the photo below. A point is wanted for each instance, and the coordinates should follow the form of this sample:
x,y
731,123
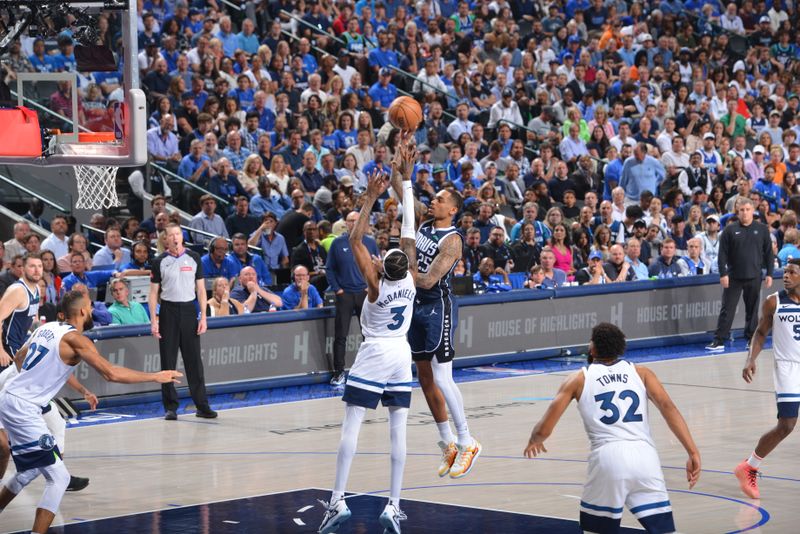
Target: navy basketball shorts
x,y
432,330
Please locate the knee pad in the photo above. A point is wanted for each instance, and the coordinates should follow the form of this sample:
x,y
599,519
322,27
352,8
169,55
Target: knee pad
x,y
57,481
18,482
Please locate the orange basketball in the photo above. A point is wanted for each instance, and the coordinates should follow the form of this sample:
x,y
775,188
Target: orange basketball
x,y
405,113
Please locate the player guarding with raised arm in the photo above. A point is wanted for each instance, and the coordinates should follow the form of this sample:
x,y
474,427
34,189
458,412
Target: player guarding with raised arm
x,y
44,363
624,469
780,313
382,370
439,247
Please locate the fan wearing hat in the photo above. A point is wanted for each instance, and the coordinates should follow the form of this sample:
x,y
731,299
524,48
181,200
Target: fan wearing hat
x,y
695,175
712,160
383,92
774,128
506,110
710,242
593,273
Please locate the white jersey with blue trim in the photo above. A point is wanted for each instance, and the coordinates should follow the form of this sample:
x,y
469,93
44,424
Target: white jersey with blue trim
x,y
613,404
786,328
43,372
390,314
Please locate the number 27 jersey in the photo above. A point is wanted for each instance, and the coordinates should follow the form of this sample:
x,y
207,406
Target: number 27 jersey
x,y
613,404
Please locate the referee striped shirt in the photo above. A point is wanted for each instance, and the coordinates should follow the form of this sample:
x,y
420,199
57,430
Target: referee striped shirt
x,y
177,275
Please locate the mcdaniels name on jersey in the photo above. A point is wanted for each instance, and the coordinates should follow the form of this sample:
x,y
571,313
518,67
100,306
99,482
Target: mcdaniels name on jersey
x,y
407,294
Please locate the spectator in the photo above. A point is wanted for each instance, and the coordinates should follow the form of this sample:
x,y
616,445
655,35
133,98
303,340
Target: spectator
x,y
692,263
15,245
220,304
241,221
207,221
526,250
162,143
140,257
665,265
552,277
12,273
100,314
561,247
76,243
79,274
123,310
616,268
253,296
312,256
57,241
790,250
695,175
633,250
51,278
234,150
301,294
489,277
309,175
593,273
291,224
496,249
113,253
158,204
270,199
640,173
34,213
214,261
271,243
239,258
225,184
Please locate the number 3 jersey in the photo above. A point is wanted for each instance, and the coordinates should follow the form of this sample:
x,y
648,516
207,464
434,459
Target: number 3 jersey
x,y
43,372
613,404
390,314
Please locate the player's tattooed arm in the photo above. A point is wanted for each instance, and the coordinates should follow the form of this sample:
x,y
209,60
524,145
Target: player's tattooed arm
x,y
449,253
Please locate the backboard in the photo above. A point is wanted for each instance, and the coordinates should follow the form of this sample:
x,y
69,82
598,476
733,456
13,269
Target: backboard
x,y
85,85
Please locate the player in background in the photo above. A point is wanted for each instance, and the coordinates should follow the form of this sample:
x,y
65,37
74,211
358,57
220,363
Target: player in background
x,y
781,314
439,248
382,370
624,468
19,307
44,363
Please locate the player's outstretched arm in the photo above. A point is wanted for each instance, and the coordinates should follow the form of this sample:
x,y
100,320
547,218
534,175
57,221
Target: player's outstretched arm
x,y
570,389
376,186
404,158
403,171
757,342
80,347
675,421
88,396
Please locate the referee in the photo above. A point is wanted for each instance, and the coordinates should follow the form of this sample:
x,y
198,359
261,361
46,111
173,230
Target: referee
x,y
745,251
178,272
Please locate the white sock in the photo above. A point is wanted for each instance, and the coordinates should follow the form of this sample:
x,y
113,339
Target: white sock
x,y
754,461
353,417
445,433
443,375
398,419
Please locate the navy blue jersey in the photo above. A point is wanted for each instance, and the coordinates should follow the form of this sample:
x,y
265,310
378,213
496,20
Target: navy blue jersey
x,y
15,328
428,240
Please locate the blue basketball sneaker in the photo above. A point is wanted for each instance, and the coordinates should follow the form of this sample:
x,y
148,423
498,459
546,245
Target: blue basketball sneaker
x,y
390,519
335,515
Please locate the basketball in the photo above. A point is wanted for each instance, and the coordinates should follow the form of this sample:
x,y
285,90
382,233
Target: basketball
x,y
405,113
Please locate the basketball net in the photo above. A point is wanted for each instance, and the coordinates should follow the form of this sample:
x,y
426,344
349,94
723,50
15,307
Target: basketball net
x,y
96,186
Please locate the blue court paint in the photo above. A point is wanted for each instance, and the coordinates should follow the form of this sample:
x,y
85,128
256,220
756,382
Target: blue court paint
x,y
276,514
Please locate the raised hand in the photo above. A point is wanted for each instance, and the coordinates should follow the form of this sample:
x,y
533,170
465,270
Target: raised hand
x,y
377,183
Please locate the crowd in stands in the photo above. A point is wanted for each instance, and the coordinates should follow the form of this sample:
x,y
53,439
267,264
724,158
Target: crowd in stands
x,y
593,141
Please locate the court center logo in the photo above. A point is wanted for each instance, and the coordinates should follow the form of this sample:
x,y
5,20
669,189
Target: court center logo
x,y
47,442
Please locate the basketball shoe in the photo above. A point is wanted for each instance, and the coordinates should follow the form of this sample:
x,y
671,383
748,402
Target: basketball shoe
x,y
336,513
449,452
390,519
748,479
465,459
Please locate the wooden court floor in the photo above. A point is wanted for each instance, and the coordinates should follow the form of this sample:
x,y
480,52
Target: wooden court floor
x,y
154,465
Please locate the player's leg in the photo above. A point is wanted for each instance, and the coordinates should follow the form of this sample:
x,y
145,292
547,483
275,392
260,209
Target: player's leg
x,y
5,453
193,363
56,482
603,494
438,408
15,484
647,497
58,427
168,326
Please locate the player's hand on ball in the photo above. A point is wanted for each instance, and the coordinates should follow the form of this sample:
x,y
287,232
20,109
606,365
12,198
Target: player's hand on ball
x,y
534,449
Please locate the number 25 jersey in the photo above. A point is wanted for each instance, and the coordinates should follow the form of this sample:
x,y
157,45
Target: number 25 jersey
x,y
613,404
390,314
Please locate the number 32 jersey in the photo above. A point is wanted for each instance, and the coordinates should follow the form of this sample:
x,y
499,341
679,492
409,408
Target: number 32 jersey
x,y
390,314
43,372
613,404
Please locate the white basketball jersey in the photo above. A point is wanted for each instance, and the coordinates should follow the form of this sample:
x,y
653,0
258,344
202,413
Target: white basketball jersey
x,y
390,314
43,372
786,328
613,404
